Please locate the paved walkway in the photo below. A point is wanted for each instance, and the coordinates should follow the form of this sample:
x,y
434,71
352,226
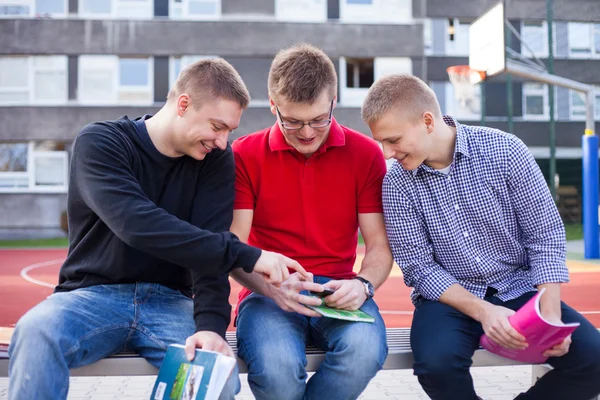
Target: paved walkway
x,y
492,383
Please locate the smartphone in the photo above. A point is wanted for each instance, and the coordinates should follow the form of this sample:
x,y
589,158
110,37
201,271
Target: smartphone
x,y
324,293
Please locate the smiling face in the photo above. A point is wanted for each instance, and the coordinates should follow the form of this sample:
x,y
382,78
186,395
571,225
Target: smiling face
x,y
197,131
404,140
307,139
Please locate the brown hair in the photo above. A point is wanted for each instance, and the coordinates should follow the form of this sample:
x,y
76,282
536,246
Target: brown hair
x,y
301,73
210,79
406,92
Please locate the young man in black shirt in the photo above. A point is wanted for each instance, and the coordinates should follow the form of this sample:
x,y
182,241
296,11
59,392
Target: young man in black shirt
x,y
150,203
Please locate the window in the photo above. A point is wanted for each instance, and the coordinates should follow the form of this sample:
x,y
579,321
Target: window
x,y
301,10
176,64
33,80
376,11
195,9
112,80
428,36
358,74
460,108
51,7
33,8
580,39
14,80
13,166
578,109
535,36
134,81
597,39
597,103
128,9
33,167
535,101
459,46
49,83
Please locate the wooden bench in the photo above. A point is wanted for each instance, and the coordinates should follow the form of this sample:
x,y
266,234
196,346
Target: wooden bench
x,y
399,357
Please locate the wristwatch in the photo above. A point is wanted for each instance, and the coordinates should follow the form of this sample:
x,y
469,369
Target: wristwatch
x,y
369,289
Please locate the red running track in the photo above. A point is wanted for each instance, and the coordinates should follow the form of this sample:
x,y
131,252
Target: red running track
x,y
17,295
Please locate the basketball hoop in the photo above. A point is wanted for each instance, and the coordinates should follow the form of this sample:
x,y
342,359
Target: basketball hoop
x,y
464,79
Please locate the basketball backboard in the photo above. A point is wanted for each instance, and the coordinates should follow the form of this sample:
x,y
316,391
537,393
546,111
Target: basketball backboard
x,y
487,49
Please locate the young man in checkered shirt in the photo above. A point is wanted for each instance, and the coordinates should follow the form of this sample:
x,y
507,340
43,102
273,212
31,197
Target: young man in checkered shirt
x,y
473,226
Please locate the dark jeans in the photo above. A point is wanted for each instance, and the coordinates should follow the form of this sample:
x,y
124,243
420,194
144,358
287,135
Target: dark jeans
x,y
444,340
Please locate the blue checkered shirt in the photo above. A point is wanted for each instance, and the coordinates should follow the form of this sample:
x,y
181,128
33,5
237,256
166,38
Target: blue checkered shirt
x,y
489,222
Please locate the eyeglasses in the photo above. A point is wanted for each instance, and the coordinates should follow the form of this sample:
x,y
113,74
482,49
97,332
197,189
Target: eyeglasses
x,y
294,126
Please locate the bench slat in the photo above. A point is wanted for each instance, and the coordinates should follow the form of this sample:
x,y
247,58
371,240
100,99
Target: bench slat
x,y
399,357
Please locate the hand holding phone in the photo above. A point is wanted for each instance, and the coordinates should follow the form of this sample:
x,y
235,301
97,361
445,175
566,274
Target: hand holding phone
x,y
324,293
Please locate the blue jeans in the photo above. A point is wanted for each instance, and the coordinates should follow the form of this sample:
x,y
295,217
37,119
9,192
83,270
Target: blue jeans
x,y
272,343
444,340
77,328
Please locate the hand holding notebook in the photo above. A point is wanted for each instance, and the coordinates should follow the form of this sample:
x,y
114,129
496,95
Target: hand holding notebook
x,y
539,333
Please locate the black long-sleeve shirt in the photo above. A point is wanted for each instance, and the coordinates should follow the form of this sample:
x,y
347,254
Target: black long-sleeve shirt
x,y
136,215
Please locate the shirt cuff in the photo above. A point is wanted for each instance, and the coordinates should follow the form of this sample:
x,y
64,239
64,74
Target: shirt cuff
x,y
435,284
247,257
549,274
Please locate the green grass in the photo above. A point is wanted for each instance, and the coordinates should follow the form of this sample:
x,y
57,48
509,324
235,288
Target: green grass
x,y
574,231
52,242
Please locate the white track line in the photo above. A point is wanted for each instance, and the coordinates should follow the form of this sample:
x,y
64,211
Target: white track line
x,y
25,271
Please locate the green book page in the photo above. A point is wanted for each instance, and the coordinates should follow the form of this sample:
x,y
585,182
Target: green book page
x,y
357,316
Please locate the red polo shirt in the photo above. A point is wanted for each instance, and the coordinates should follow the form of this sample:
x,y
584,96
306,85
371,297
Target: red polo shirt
x,y
307,209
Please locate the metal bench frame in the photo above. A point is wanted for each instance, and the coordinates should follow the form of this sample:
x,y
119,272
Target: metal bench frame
x,y
399,357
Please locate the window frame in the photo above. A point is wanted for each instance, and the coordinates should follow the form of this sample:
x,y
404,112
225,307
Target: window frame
x,y
149,88
376,12
461,30
573,107
543,53
590,35
112,64
144,11
316,13
32,4
185,14
52,63
30,174
529,91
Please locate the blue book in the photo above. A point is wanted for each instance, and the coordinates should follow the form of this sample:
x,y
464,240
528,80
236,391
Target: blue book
x,y
200,379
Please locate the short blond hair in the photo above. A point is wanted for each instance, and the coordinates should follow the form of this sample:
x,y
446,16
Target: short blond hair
x,y
301,73
208,80
406,92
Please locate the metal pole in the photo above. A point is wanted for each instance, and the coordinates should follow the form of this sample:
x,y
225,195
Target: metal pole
x,y
589,144
552,136
482,85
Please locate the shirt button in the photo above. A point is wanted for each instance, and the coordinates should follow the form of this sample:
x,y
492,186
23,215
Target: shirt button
x,y
466,234
477,259
456,207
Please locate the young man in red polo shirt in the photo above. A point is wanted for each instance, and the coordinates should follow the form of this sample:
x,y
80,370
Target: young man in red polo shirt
x,y
303,188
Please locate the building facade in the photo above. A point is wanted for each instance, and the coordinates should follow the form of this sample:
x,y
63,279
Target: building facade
x,y
65,63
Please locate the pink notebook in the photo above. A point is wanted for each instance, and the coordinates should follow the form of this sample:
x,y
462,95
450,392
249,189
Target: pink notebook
x,y
540,334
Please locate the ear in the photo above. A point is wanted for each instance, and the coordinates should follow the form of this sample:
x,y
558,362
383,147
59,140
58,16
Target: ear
x,y
334,102
183,103
429,121
272,105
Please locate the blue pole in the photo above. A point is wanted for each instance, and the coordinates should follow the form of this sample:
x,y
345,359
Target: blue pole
x,y
589,145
